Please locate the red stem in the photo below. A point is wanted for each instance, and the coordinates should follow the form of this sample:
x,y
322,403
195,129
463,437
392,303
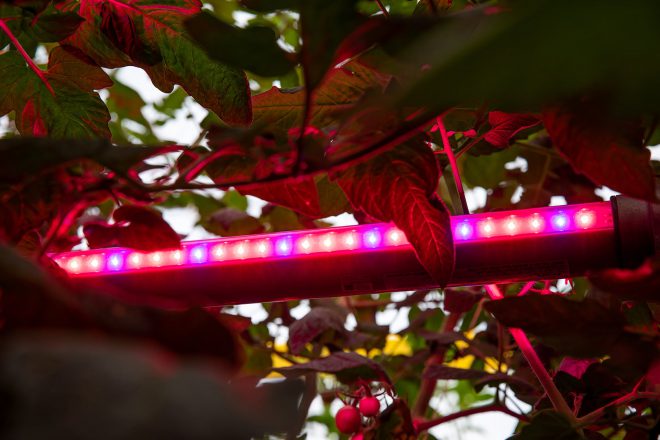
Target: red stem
x,y
24,54
382,8
427,387
446,146
424,426
558,401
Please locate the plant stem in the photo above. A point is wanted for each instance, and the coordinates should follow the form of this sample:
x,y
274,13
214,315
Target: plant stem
x,y
526,288
26,57
407,131
427,387
558,401
300,144
596,414
446,146
424,426
382,8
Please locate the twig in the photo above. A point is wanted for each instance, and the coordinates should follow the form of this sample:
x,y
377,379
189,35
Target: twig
x,y
407,131
26,57
424,426
427,387
446,146
476,314
199,138
382,8
300,144
596,414
558,401
526,288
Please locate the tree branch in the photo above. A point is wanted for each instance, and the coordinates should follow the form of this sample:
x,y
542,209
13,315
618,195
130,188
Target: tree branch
x,y
425,426
596,414
404,133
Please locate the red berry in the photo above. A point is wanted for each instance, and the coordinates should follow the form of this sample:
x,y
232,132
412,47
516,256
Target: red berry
x,y
358,436
369,406
348,420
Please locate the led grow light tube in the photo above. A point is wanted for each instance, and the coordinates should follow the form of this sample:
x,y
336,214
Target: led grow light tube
x,y
543,243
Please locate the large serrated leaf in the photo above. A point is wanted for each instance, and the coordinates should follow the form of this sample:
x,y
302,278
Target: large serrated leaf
x,y
73,110
608,150
280,110
253,48
151,35
399,186
568,48
313,197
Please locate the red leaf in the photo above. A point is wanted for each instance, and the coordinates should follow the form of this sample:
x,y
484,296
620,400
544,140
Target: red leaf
x,y
118,26
32,122
507,125
299,195
313,197
151,35
575,367
136,227
100,235
316,322
460,301
609,151
146,230
443,372
399,185
641,284
348,367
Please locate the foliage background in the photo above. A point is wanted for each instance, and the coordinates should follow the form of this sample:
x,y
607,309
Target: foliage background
x,y
599,112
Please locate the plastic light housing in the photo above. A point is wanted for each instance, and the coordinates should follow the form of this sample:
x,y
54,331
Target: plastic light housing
x,y
364,238
543,243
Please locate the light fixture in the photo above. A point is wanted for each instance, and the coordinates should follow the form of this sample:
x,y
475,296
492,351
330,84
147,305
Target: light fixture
x,y
542,243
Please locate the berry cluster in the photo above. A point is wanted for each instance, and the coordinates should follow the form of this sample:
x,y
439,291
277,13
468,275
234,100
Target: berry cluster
x,y
363,405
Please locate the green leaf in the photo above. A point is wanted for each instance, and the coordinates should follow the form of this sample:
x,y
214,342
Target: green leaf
x,y
270,5
323,26
530,54
280,110
52,25
548,425
487,170
233,199
74,111
399,185
253,48
231,222
126,104
151,35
